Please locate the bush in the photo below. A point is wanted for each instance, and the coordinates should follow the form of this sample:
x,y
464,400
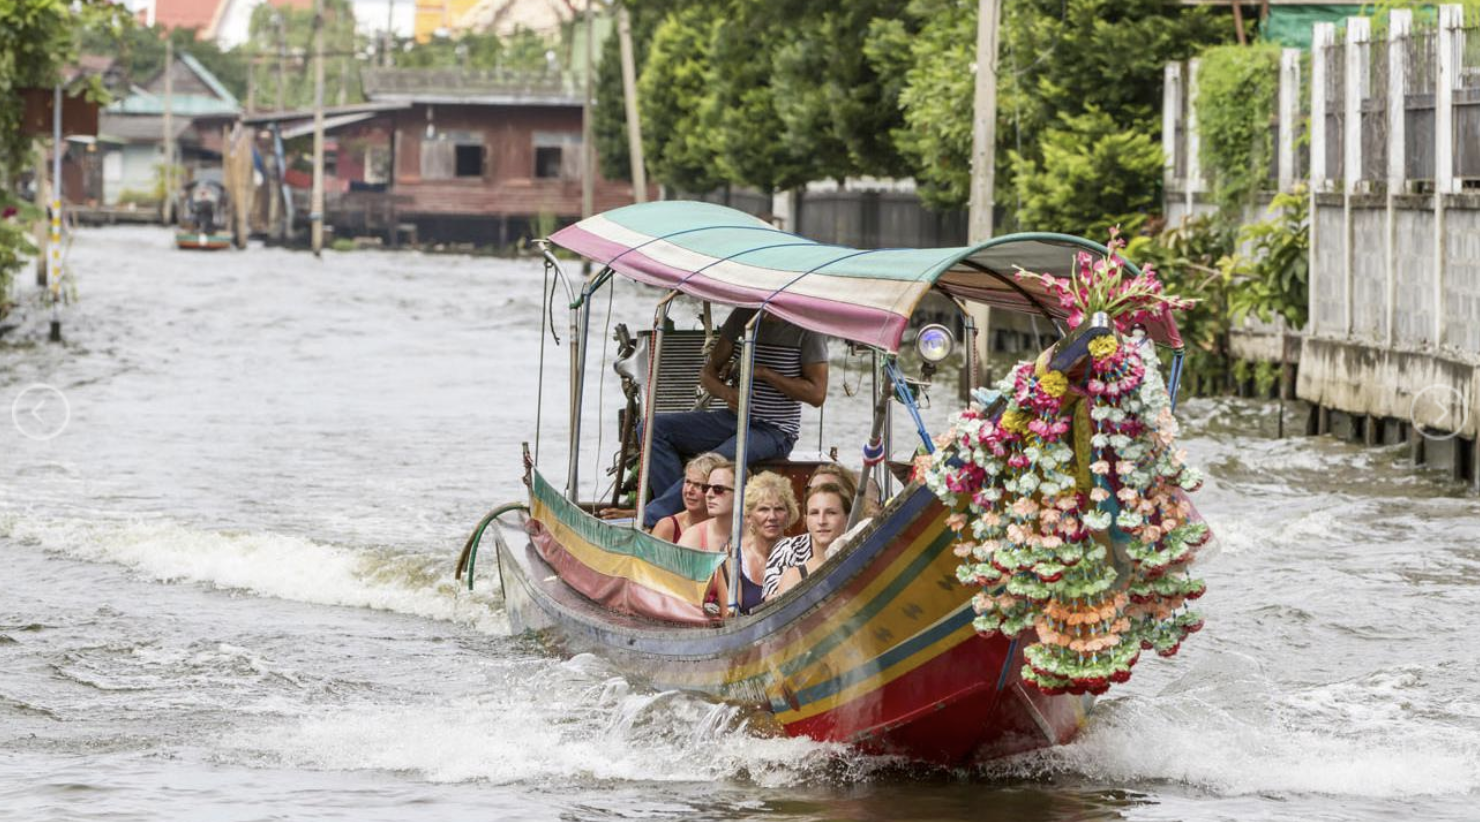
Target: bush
x,y
1236,88
1094,174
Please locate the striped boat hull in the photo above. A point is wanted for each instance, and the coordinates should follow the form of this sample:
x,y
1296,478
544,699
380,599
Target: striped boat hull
x,y
202,242
875,650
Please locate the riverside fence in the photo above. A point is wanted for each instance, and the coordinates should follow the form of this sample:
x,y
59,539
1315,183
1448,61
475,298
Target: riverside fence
x,y
1385,131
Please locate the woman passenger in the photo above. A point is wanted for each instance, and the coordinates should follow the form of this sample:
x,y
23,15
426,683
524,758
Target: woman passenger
x,y
713,533
796,558
770,509
695,508
848,481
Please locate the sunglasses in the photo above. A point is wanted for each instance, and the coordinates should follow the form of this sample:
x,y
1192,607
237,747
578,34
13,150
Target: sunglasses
x,y
716,489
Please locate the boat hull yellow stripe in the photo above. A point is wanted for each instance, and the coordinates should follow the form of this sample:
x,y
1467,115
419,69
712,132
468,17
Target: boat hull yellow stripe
x,y
892,620
629,568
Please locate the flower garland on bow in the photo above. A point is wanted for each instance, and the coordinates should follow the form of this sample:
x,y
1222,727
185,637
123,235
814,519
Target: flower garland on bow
x,y
1078,525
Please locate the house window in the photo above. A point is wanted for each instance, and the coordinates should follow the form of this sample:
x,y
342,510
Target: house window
x,y
557,155
377,164
468,160
547,162
452,154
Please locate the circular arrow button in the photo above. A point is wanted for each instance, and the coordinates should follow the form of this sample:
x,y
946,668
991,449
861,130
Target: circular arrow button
x,y
40,412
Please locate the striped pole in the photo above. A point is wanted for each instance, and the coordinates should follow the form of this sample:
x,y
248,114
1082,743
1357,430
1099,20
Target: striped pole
x,y
54,259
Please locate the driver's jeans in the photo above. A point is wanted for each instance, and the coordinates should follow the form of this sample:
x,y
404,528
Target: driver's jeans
x,y
685,435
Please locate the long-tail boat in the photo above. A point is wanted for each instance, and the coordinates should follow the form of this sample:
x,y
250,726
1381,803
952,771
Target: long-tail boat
x,y
878,648
204,222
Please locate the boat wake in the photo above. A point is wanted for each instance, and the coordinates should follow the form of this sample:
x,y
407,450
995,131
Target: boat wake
x,y
1244,736
551,723
271,565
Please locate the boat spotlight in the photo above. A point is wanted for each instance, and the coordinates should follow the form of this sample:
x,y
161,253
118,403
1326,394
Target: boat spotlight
x,y
934,343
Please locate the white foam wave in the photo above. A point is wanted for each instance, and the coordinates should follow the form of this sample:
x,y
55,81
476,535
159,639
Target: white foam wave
x,y
553,724
1341,740
272,565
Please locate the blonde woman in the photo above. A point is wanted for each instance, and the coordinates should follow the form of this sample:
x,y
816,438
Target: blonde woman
x,y
770,508
796,558
695,506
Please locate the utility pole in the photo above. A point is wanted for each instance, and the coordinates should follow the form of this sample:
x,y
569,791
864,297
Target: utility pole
x,y
629,92
390,33
984,155
316,203
252,82
588,156
169,131
282,38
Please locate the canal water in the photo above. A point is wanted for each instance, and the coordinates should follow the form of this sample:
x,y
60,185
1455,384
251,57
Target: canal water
x,y
226,593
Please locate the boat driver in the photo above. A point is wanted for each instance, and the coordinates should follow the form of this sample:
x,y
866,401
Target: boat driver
x,y
790,369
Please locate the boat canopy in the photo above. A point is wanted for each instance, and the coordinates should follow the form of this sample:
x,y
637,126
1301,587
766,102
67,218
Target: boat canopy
x,y
721,255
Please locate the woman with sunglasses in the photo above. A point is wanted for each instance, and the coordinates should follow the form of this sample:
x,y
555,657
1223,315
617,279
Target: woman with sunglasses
x,y
695,509
713,533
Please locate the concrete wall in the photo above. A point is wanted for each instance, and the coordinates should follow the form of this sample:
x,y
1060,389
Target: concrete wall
x,y
1462,279
1413,314
1328,272
1369,304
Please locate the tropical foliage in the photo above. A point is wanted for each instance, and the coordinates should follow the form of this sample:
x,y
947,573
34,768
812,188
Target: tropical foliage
x,y
1236,88
38,38
774,93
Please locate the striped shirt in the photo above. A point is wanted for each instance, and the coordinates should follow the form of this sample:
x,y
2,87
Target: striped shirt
x,y
788,553
783,348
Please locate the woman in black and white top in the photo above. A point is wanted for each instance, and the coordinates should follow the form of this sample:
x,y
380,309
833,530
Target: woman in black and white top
x,y
794,558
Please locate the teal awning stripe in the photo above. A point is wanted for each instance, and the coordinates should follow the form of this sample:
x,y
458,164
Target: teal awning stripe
x,y
689,563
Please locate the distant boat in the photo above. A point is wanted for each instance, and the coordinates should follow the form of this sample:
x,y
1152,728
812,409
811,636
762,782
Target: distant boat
x,y
205,217
877,649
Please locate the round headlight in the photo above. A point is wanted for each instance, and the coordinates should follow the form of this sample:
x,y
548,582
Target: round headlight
x,y
934,343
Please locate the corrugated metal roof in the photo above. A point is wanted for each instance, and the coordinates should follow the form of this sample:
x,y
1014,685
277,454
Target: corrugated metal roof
x,y
142,101
455,86
138,128
330,123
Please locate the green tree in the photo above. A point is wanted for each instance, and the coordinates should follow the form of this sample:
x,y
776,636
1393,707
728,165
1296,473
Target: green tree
x,y
295,27
749,129
836,107
1235,102
37,39
680,129
932,48
609,122
1058,59
522,51
1093,174
141,49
